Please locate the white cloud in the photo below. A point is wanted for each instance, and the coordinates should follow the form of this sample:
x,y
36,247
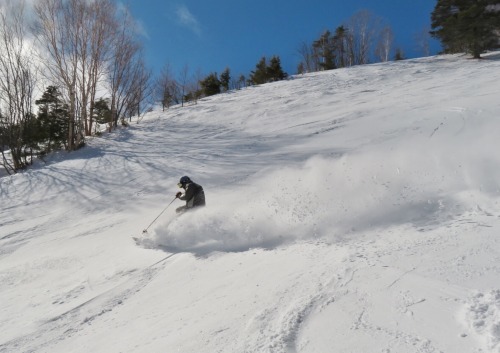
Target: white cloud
x,y
140,28
187,19
138,25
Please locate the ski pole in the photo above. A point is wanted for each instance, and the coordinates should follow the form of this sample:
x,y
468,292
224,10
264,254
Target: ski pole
x,y
146,230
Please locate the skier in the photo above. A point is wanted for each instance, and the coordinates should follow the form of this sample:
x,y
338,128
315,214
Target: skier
x,y
193,194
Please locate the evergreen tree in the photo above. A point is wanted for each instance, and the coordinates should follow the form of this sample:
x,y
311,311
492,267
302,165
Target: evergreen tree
x,y
32,136
267,73
467,25
241,82
225,78
259,76
102,112
399,55
274,70
53,118
340,43
324,50
211,85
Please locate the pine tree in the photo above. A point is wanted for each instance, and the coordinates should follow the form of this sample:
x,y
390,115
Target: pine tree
x,y
399,55
32,136
274,70
340,42
265,73
211,85
467,25
225,78
241,82
259,76
53,118
324,50
102,112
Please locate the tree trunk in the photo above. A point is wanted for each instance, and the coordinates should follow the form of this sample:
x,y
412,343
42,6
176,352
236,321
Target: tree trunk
x,y
71,123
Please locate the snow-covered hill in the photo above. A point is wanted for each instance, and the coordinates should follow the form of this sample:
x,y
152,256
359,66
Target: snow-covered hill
x,y
353,210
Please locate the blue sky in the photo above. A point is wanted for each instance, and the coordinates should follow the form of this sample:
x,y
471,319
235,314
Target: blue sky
x,y
210,35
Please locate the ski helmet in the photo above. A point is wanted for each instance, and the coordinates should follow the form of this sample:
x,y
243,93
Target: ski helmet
x,y
184,180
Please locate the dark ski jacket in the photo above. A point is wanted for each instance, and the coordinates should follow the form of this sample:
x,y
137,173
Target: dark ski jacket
x,y
194,195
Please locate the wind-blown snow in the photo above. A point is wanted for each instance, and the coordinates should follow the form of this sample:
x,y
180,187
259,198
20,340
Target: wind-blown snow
x,y
353,210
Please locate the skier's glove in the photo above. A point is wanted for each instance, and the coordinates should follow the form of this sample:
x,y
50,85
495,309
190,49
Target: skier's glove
x,y
178,195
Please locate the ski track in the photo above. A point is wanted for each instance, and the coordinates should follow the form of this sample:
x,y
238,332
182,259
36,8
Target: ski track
x,y
279,325
69,323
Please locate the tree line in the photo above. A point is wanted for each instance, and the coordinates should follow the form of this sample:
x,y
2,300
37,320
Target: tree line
x,y
172,89
363,38
80,51
461,26
88,57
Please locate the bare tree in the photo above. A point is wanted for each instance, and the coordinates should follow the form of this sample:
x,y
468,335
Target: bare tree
x,y
195,86
422,39
240,83
76,37
17,84
362,29
59,31
183,82
121,67
140,90
94,50
309,63
165,87
385,43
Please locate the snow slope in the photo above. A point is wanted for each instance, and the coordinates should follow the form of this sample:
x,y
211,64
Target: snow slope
x,y
353,210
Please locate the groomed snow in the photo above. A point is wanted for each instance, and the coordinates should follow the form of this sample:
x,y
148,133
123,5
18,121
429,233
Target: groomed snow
x,y
354,210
